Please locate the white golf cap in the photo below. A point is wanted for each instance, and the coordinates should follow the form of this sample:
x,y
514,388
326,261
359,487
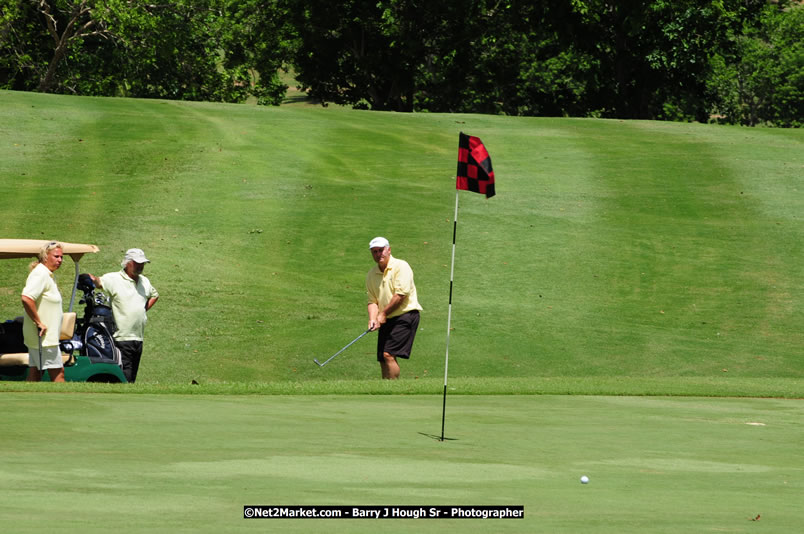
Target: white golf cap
x,y
137,255
379,242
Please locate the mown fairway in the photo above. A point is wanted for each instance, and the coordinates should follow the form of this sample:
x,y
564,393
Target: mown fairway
x,y
179,463
618,259
612,248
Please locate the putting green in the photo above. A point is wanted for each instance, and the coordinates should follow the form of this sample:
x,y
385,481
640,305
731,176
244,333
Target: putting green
x,y
189,463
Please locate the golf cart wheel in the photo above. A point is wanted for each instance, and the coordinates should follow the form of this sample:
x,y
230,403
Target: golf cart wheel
x,y
103,378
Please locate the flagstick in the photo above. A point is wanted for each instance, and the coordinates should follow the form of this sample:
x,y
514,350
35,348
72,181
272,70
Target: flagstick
x,y
449,314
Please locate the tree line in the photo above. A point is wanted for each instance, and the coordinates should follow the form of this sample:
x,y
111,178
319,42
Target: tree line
x,y
733,61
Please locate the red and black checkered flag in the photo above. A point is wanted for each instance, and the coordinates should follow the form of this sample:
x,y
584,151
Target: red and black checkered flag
x,y
474,174
474,166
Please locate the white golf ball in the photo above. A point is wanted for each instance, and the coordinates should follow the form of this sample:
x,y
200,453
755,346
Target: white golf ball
x,y
584,479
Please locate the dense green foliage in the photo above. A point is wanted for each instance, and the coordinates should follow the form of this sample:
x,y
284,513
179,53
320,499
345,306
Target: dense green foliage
x,y
739,60
760,76
216,50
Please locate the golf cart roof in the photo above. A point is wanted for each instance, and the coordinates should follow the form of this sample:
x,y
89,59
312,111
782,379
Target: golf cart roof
x,y
27,248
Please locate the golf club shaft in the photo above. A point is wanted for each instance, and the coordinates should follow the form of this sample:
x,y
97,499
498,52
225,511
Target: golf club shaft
x,y
343,349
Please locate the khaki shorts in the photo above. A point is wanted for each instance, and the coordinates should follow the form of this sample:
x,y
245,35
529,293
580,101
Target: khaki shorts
x,y
51,358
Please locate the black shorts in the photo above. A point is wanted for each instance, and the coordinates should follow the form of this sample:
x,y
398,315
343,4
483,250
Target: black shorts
x,y
396,335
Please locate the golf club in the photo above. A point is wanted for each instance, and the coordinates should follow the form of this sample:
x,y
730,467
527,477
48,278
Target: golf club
x,y
343,349
40,354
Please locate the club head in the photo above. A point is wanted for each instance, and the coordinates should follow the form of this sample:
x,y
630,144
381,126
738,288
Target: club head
x,y
319,363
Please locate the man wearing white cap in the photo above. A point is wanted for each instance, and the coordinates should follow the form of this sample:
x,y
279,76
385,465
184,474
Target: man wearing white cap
x,y
393,307
132,295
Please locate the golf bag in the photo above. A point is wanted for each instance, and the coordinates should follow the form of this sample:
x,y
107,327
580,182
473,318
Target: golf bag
x,y
96,329
11,339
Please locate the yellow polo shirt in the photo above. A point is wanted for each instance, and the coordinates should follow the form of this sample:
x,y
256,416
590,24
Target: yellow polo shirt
x,y
41,288
128,303
397,279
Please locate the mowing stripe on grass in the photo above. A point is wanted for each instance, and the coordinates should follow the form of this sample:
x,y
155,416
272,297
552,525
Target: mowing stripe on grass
x,y
612,247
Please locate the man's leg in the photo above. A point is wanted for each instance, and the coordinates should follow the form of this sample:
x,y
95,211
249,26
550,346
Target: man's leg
x,y
390,367
130,354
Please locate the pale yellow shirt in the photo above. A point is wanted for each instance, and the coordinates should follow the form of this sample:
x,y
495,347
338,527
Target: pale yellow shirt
x,y
41,288
128,303
397,279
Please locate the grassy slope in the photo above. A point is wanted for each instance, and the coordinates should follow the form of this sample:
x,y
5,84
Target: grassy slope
x,y
612,249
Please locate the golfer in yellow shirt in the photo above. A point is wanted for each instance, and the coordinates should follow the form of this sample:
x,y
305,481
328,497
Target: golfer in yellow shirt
x,y
393,307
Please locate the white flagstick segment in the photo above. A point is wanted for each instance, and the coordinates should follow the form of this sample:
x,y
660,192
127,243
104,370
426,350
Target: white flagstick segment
x,y
451,275
449,315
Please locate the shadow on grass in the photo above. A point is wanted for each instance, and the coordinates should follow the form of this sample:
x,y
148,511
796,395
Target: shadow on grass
x,y
437,438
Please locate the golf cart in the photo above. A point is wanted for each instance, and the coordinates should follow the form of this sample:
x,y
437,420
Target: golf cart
x,y
88,350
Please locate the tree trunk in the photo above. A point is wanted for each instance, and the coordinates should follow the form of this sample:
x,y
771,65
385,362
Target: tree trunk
x,y
46,84
62,41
